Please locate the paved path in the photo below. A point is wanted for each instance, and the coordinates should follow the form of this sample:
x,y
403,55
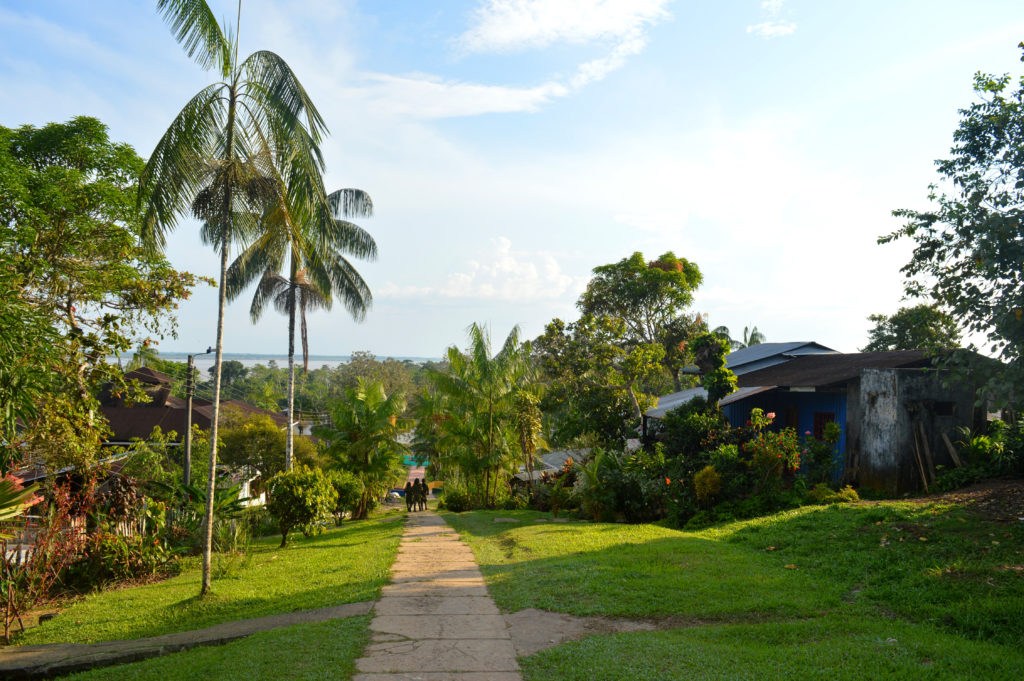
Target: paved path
x,y
435,621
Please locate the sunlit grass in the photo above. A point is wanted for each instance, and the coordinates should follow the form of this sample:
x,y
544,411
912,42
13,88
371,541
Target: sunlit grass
x,y
310,652
344,565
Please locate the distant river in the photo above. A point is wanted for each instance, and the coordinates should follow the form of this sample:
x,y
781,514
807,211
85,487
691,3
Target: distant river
x,y
204,362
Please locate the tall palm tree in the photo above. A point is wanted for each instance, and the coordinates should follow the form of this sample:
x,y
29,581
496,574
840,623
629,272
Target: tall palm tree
x,y
217,159
313,244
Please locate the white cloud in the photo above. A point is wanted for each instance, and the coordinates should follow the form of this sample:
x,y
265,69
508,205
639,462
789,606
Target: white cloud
x,y
424,96
510,25
772,26
503,274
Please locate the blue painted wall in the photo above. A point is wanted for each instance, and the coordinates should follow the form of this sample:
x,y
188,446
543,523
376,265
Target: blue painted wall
x,y
805,403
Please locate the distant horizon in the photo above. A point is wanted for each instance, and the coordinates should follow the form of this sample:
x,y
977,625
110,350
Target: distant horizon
x,y
253,356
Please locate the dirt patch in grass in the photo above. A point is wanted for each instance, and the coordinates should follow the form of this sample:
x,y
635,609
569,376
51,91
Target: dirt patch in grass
x,y
999,500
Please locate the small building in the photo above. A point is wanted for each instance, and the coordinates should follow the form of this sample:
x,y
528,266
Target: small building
x,y
896,410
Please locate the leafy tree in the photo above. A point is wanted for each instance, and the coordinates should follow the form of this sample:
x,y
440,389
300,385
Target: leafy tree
x,y
75,285
969,247
709,351
590,357
301,498
394,375
257,441
921,327
349,489
649,298
231,371
363,439
217,159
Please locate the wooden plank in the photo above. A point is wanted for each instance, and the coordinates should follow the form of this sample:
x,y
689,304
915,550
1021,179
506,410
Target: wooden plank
x,y
952,451
920,466
927,452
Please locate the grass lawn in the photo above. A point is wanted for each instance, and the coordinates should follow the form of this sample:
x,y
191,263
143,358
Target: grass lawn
x,y
816,592
925,562
327,650
343,565
831,648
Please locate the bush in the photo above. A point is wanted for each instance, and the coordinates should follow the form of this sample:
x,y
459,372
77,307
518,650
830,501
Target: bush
x,y
109,557
823,494
349,489
301,498
707,484
456,499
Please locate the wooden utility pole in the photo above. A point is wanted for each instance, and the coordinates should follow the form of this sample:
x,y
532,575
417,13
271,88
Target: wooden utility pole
x,y
190,389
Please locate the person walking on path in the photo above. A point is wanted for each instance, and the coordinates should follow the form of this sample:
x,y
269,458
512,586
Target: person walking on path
x,y
408,496
416,492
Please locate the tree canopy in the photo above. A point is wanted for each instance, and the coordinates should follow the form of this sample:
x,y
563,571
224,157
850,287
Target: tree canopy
x,y
969,246
921,327
75,278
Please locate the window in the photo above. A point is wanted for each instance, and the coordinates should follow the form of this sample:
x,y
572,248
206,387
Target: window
x,y
821,418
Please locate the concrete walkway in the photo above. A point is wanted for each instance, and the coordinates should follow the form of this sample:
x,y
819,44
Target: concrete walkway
x,y
435,621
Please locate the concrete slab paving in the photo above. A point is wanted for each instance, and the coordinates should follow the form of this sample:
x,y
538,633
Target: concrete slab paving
x,y
441,626
450,605
436,621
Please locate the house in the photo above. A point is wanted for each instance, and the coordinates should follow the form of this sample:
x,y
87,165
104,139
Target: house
x,y
742,361
896,410
136,421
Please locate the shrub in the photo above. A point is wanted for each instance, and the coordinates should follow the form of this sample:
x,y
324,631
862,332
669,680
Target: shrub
x,y
820,454
823,494
456,499
108,557
301,498
707,484
349,489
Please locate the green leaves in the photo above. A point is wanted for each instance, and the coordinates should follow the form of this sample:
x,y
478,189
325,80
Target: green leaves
x,y
198,32
969,248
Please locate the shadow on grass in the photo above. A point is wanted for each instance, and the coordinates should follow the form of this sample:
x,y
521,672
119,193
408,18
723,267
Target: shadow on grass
x,y
927,563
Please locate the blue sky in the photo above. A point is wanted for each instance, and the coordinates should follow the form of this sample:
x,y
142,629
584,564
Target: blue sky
x,y
512,145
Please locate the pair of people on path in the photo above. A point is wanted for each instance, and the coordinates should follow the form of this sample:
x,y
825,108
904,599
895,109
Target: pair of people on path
x,y
416,495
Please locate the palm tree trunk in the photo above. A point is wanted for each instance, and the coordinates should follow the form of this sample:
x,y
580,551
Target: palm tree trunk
x,y
289,436
211,484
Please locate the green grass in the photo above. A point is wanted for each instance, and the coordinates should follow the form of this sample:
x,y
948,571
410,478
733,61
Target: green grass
x,y
831,648
951,569
633,571
326,650
344,565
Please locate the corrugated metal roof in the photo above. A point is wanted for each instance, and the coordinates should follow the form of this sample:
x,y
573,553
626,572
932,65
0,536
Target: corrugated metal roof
x,y
738,359
670,402
830,369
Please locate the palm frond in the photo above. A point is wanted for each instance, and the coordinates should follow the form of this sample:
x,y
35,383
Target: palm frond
x,y
267,291
179,166
198,32
350,203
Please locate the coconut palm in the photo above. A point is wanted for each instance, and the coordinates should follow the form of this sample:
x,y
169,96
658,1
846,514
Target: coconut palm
x,y
313,245
216,161
751,336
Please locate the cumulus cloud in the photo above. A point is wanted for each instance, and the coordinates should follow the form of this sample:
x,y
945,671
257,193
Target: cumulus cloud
x,y
772,26
503,274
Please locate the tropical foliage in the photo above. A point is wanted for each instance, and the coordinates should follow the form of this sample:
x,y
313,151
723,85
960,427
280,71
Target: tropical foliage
x,y
362,439
472,426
